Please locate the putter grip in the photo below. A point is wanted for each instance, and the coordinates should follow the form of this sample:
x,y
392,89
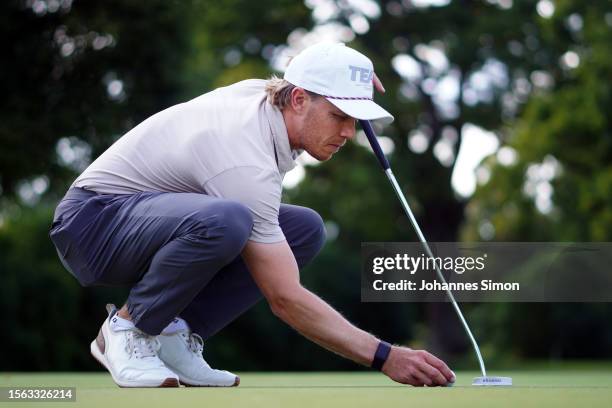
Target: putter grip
x,y
367,128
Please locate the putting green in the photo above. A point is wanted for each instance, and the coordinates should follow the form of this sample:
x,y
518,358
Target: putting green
x,y
584,387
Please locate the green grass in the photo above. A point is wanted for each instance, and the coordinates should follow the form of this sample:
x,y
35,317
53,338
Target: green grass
x,y
579,386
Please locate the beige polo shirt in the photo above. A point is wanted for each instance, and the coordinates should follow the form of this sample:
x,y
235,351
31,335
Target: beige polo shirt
x,y
228,143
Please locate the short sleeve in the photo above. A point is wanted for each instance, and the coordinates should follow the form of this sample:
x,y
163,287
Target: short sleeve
x,y
258,189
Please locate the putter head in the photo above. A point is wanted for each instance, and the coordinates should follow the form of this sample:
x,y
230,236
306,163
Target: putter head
x,y
492,381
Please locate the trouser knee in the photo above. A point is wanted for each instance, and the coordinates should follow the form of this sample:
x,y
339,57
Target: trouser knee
x,y
228,224
307,236
315,232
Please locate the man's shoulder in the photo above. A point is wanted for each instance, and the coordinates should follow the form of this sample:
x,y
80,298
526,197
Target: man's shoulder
x,y
253,83
241,88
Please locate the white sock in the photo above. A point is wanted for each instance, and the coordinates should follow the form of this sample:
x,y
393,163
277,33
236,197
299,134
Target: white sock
x,y
119,323
177,324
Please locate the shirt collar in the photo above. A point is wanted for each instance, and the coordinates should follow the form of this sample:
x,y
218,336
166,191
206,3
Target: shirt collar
x,y
285,157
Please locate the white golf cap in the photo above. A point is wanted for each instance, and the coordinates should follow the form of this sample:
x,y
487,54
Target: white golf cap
x,y
340,74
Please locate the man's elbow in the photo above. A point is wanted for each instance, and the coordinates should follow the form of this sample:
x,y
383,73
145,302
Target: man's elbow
x,y
284,302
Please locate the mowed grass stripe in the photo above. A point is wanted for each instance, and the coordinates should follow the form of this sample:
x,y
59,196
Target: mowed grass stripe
x,y
559,388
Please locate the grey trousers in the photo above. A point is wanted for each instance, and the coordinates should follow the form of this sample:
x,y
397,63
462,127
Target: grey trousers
x,y
179,252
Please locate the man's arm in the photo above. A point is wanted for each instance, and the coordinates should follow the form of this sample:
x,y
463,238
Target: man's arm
x,y
275,271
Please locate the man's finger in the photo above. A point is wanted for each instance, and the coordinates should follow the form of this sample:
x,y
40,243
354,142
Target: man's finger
x,y
433,374
378,85
414,381
422,378
441,366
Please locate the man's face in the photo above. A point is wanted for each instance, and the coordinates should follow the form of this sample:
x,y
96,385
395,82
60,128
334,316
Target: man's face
x,y
325,129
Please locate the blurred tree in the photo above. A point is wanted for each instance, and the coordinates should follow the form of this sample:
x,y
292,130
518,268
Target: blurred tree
x,y
445,65
87,72
77,75
442,67
234,40
558,188
84,73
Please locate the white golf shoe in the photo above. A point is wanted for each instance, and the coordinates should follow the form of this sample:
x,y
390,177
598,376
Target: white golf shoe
x,y
131,356
181,351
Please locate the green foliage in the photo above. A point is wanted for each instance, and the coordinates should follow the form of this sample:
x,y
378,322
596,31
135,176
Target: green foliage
x,y
241,28
571,124
58,66
38,298
56,74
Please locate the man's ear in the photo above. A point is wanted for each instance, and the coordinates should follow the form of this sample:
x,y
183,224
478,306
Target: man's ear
x,y
299,99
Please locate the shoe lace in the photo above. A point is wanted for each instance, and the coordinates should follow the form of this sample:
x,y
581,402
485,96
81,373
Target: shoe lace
x,y
195,342
141,344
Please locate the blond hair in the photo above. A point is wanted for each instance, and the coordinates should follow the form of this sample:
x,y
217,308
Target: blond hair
x,y
279,92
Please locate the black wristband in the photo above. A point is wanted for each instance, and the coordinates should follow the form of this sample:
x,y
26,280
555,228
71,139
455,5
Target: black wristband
x,y
382,352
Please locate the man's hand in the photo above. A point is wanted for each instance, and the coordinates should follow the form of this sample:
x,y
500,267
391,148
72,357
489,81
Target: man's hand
x,y
416,367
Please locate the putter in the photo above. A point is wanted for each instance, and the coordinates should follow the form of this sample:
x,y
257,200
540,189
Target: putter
x,y
479,381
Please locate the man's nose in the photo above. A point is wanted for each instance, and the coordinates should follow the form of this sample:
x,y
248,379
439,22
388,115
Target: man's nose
x,y
348,129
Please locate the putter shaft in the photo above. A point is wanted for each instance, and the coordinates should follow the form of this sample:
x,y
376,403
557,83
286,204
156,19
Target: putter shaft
x,y
416,227
367,127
